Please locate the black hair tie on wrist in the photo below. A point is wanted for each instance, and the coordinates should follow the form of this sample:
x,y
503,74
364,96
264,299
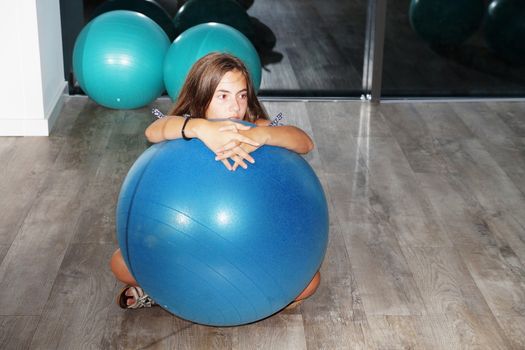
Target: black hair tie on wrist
x,y
184,127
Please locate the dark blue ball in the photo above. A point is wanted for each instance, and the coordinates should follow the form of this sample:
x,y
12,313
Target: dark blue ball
x,y
446,22
217,247
505,29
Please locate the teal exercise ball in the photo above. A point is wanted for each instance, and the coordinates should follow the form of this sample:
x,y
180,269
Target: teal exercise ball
x,y
150,8
446,22
505,29
118,59
201,40
228,12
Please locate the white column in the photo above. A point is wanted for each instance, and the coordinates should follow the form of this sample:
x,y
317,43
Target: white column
x,y
31,69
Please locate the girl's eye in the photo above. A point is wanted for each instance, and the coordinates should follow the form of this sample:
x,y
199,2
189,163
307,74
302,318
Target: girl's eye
x,y
221,96
244,96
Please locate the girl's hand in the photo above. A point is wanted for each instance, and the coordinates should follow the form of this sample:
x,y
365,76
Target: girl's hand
x,y
234,151
217,134
238,151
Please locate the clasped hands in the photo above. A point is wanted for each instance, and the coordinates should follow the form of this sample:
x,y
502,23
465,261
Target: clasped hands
x,y
231,141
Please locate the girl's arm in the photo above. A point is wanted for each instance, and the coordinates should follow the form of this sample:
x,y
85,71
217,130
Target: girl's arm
x,y
289,137
213,134
170,127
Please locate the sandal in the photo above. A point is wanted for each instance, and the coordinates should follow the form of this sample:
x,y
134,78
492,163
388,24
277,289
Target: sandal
x,y
294,304
141,299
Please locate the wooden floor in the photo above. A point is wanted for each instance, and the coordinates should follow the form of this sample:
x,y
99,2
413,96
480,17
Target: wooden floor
x,y
427,233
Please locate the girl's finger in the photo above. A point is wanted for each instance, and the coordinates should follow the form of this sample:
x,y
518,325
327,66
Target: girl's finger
x,y
224,155
247,140
244,155
227,164
238,160
230,145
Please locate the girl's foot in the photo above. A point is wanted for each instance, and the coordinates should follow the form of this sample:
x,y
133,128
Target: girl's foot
x,y
133,297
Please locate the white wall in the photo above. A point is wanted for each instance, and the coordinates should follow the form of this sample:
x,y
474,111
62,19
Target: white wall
x,y
31,68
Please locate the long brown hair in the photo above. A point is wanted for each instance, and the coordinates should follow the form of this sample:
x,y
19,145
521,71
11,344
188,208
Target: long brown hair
x,y
202,80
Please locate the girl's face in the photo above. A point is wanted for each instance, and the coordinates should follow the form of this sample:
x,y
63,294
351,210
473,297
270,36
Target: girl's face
x,y
230,99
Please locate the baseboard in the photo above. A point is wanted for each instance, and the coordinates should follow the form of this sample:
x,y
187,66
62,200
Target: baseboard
x,y
56,107
35,127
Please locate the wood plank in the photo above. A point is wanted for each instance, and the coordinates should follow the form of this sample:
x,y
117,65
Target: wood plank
x,y
512,114
383,184
335,56
28,270
295,114
467,223
403,332
499,276
26,163
339,33
481,175
72,108
281,331
16,331
75,313
497,138
424,251
278,75
381,270
120,142
391,180
335,316
23,176
515,168
471,331
349,118
444,282
7,148
418,231
514,328
125,144
510,228
192,336
341,131
487,127
448,288
415,139
143,329
323,55
3,251
87,138
442,122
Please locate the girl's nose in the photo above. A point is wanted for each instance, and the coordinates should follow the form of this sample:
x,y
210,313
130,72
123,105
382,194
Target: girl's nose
x,y
235,106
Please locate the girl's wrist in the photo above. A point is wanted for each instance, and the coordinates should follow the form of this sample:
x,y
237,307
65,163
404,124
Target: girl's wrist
x,y
194,127
259,134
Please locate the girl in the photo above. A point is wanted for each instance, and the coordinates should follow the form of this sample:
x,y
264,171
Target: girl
x,y
216,95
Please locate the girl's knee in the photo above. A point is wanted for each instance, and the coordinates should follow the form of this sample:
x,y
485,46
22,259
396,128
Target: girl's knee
x,y
311,287
120,270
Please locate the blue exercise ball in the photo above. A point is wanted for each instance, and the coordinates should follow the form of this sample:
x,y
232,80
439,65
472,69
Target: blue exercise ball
x,y
446,22
217,247
201,40
118,59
